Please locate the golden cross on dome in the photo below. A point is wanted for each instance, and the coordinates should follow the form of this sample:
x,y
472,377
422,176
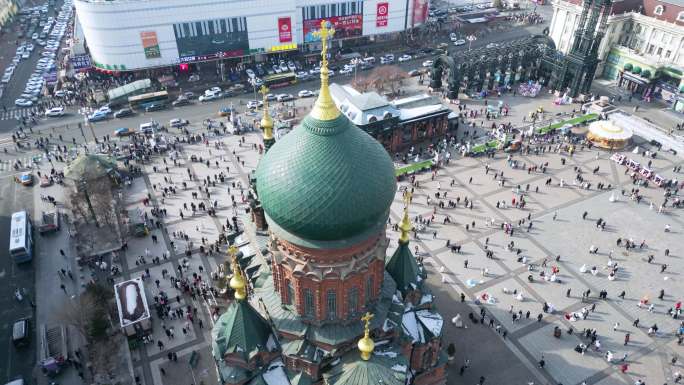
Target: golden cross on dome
x,y
407,198
232,251
263,90
367,318
237,283
324,33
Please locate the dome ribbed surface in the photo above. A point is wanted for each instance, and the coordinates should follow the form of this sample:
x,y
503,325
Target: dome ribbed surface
x,y
326,181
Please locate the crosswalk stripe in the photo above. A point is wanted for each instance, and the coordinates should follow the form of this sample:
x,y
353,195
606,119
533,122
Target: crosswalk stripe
x,y
6,165
16,113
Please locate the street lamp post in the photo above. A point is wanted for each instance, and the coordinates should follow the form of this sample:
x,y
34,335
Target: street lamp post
x,y
471,39
252,81
355,62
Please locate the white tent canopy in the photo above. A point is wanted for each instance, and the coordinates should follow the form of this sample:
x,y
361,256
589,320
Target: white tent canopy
x,y
607,130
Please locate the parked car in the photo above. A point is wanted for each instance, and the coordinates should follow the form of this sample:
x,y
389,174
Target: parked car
x,y
404,58
225,111
208,97
428,63
122,113
181,101
25,178
178,123
284,97
387,59
21,102
55,112
123,131
155,107
148,128
254,104
97,116
459,42
21,335
305,94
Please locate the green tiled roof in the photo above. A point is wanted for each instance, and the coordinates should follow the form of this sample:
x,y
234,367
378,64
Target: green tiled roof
x,y
231,374
240,329
402,266
377,370
300,379
326,181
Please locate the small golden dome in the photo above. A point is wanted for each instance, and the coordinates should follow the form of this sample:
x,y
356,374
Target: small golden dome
x,y
237,282
366,344
266,119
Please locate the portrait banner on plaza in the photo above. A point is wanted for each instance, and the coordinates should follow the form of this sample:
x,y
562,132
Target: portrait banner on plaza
x,y
150,44
345,27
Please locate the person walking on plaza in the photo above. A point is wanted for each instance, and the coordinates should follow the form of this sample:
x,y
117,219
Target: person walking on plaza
x,y
626,339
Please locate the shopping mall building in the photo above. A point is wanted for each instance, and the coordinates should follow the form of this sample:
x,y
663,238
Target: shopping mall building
x,y
125,35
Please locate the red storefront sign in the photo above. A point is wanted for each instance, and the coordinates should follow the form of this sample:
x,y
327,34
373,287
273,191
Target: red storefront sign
x,y
345,27
382,15
284,29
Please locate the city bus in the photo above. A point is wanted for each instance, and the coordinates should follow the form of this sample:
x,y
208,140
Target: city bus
x,y
139,102
280,80
21,237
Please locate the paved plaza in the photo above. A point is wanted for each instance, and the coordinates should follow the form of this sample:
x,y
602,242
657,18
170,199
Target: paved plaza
x,y
568,236
516,347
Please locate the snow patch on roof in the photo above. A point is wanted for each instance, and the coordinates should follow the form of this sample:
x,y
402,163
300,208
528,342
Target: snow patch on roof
x,y
412,113
275,374
410,326
426,298
271,343
432,321
388,325
389,354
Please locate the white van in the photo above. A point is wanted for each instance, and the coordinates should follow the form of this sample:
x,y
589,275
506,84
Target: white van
x,y
148,128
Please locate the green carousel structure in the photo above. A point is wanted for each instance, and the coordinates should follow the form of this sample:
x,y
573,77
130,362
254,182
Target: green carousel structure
x,y
326,288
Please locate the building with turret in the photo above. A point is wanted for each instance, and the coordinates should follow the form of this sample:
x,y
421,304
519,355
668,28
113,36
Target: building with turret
x,y
326,304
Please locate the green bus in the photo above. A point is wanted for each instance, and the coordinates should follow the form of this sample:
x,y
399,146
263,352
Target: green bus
x,y
141,101
280,80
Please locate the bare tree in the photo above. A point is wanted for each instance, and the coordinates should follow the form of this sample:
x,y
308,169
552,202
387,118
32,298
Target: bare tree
x,y
362,83
77,205
77,313
388,78
92,201
103,202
